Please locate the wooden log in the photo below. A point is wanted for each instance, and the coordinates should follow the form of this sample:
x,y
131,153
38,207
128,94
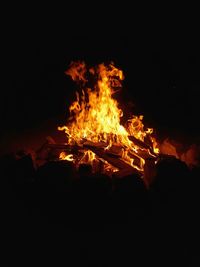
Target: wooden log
x,y
116,162
99,149
148,141
99,144
145,154
138,142
125,172
115,150
141,144
135,157
113,157
132,138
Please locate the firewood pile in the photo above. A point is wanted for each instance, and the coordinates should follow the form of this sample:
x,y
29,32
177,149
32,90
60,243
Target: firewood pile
x,y
108,161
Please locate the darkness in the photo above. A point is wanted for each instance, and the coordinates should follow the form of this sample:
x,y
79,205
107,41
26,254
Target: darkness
x,y
161,77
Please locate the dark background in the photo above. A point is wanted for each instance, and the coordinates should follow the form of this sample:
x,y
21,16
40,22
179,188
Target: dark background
x,y
161,71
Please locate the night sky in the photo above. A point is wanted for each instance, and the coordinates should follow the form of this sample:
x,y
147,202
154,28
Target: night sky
x,y
162,76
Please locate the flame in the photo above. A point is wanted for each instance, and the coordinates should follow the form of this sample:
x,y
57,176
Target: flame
x,y
156,149
88,157
64,156
95,115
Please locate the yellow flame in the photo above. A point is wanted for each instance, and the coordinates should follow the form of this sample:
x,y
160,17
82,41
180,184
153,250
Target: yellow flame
x,y
88,157
95,115
64,156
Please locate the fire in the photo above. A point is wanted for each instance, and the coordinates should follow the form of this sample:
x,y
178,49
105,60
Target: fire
x,y
88,157
96,116
64,156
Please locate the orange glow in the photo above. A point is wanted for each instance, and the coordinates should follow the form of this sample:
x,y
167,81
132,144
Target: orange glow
x,y
88,157
95,114
64,156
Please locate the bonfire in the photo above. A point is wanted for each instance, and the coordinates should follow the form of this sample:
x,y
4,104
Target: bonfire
x,y
94,132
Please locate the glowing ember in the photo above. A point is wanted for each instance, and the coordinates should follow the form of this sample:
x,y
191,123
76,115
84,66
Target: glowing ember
x,y
95,116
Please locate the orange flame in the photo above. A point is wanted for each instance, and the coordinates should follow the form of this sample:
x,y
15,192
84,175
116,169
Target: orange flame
x,y
88,157
95,115
64,156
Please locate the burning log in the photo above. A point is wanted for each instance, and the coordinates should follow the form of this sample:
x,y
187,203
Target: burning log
x,y
141,144
113,155
97,145
100,152
144,154
125,172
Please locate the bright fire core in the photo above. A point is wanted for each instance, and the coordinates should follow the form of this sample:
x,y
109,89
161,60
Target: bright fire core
x,y
95,115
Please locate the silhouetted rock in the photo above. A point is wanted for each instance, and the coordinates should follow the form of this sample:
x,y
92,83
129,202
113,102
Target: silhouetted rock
x,y
171,189
85,170
130,198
